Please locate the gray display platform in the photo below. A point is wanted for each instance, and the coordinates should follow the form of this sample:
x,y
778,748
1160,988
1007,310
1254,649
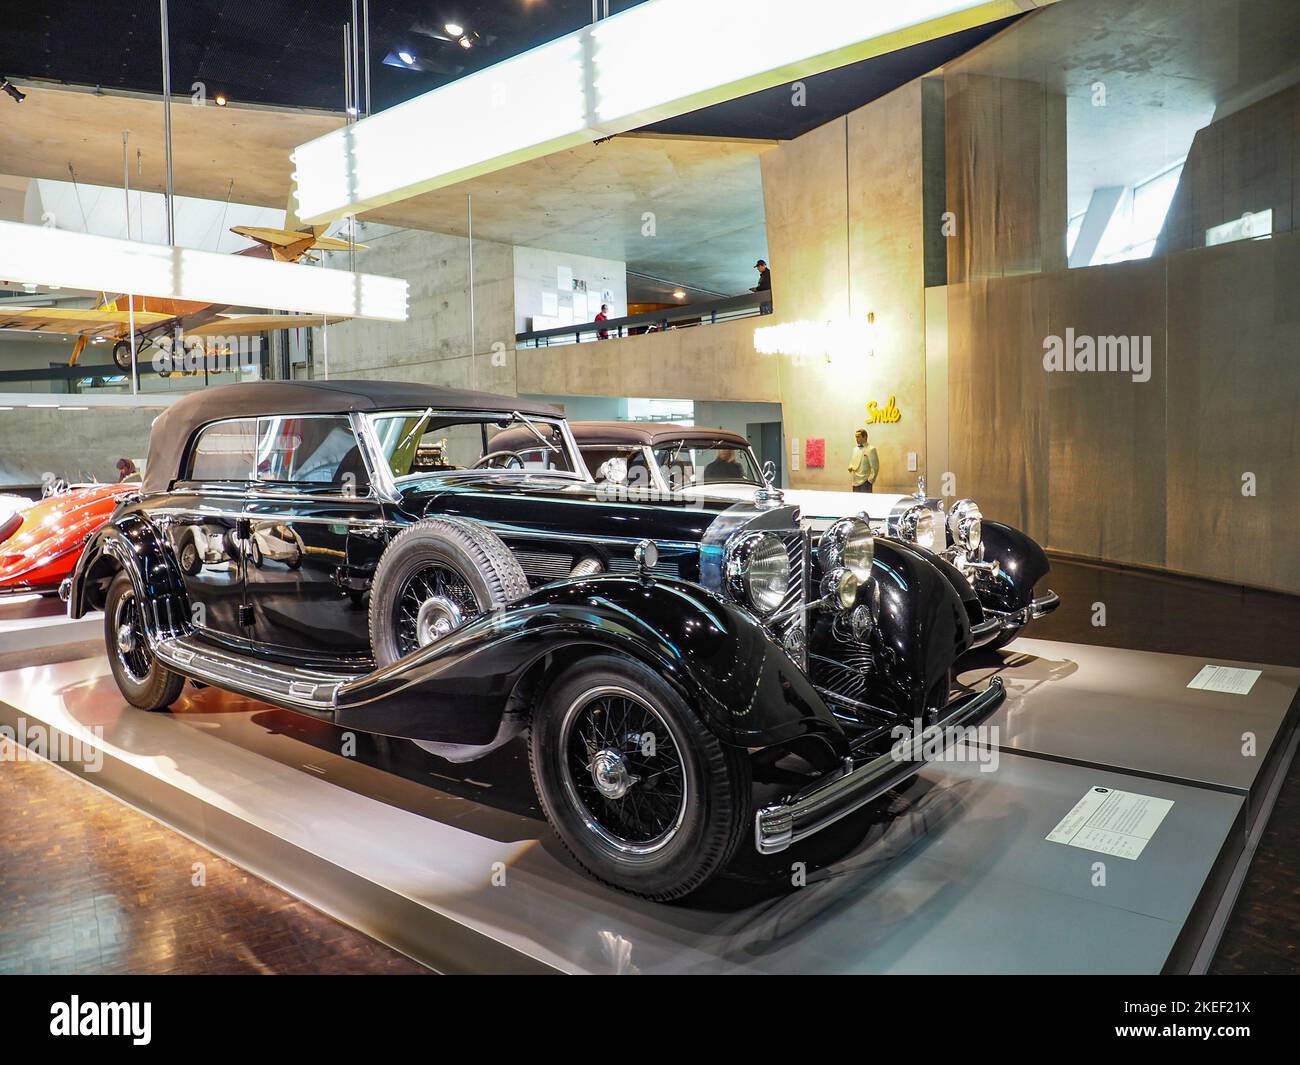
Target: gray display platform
x,y
953,873
35,622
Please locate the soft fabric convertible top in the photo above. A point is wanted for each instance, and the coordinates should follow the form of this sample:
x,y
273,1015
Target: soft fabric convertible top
x,y
173,428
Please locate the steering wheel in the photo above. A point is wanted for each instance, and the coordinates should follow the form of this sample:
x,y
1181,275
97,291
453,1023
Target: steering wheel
x,y
511,456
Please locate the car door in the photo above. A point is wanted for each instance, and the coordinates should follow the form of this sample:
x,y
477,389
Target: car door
x,y
201,520
315,533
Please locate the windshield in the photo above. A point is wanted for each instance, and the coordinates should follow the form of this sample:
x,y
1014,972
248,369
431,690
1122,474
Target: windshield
x,y
690,463
433,442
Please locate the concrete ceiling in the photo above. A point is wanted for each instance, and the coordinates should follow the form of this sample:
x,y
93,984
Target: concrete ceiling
x,y
1165,66
212,145
705,196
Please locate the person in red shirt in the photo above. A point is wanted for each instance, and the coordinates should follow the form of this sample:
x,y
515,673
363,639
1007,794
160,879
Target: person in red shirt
x,y
603,316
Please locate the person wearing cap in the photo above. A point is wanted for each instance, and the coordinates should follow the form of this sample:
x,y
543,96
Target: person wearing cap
x,y
764,285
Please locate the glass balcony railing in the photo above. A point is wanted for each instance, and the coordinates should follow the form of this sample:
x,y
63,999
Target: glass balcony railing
x,y
724,310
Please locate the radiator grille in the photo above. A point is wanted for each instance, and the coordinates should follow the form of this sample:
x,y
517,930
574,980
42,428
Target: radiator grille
x,y
788,625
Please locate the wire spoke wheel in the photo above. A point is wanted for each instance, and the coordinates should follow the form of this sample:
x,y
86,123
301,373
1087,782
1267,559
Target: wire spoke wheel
x,y
623,769
432,601
132,646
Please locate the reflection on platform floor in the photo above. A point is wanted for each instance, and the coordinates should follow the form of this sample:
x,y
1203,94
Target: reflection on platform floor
x,y
110,890
951,873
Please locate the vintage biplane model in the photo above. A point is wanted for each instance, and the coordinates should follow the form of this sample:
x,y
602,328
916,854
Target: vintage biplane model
x,y
155,318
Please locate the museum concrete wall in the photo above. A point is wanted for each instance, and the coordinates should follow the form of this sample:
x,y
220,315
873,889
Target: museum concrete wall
x,y
1193,470
844,212
77,445
434,345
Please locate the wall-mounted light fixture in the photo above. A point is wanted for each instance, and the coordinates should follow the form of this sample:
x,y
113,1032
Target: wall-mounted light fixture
x,y
828,340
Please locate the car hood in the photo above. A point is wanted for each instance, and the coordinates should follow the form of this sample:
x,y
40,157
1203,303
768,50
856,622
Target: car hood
x,y
816,507
550,505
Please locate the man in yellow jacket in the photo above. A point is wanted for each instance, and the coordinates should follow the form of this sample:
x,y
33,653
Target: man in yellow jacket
x,y
866,463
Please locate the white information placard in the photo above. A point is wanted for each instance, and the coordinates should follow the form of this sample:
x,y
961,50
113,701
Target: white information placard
x,y
1110,821
1228,679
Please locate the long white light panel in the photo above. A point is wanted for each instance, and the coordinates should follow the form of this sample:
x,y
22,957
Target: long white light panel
x,y
47,256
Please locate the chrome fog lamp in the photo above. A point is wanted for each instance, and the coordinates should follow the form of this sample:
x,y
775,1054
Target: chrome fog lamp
x,y
758,571
965,525
917,525
841,588
587,566
848,543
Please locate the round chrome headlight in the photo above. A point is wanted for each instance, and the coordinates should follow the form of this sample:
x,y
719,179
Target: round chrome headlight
x,y
758,571
917,526
841,587
965,525
848,544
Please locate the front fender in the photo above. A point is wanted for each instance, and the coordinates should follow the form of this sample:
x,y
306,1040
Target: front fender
x,y
717,656
133,544
922,628
1021,565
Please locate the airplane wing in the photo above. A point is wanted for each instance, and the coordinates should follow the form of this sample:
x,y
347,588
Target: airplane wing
x,y
334,244
77,321
249,324
284,238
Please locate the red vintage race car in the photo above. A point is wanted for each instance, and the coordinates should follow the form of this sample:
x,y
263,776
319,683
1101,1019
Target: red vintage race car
x,y
40,545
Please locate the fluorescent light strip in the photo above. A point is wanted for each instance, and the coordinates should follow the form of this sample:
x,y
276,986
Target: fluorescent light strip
x,y
47,256
660,59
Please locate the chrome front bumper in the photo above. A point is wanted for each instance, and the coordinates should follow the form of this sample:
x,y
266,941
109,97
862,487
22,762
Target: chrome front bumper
x,y
995,621
826,801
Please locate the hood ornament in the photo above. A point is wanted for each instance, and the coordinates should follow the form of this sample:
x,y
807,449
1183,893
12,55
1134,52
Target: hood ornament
x,y
920,487
769,495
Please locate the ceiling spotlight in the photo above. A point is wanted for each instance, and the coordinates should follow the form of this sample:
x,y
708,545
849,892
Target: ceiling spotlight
x,y
454,29
221,100
406,58
9,87
679,294
465,42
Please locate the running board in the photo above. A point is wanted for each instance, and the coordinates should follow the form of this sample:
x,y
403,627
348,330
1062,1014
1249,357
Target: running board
x,y
293,687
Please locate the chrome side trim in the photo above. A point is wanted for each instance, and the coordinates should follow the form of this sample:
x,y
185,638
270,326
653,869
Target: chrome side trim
x,y
827,801
196,515
290,686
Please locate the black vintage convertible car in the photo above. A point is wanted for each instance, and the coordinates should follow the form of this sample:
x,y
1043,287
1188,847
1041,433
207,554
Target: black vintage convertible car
x,y
685,673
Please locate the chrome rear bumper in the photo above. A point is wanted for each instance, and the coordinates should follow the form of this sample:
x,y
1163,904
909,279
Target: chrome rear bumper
x,y
826,801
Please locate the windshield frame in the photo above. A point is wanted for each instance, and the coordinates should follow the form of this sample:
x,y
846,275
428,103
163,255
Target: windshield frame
x,y
697,486
392,484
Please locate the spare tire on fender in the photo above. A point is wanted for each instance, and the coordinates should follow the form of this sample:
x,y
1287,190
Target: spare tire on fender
x,y
434,577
